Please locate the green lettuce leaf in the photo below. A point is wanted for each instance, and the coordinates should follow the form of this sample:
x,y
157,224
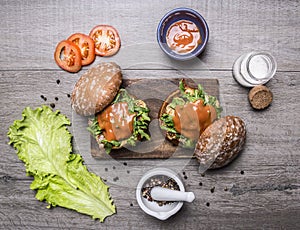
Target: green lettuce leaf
x,y
43,143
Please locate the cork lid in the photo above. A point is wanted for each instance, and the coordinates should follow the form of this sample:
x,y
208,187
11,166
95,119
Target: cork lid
x,y
260,97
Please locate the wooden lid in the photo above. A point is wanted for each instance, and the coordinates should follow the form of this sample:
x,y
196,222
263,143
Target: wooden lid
x,y
260,97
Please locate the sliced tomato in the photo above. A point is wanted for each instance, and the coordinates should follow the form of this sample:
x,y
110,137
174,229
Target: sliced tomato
x,y
86,46
68,56
107,40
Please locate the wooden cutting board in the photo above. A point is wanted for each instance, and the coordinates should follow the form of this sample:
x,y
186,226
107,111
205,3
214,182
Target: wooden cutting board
x,y
154,92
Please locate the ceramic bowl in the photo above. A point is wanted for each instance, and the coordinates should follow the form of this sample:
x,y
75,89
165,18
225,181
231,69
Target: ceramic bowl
x,y
152,208
177,15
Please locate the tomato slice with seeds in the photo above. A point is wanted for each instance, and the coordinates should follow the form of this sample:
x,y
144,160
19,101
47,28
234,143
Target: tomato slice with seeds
x,y
86,46
68,56
107,40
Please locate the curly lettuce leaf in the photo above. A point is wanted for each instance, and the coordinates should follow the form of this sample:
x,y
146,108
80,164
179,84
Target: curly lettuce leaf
x,y
43,143
199,93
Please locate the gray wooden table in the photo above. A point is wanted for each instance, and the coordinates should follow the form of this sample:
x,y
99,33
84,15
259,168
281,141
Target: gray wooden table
x,y
260,189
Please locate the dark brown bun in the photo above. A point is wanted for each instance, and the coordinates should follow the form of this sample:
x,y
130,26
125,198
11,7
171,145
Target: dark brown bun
x,y
163,110
96,88
221,142
260,97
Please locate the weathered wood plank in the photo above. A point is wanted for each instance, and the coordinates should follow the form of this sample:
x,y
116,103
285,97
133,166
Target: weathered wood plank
x,y
267,194
260,189
263,136
30,30
243,201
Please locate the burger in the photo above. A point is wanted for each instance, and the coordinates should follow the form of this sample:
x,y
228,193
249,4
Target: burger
x,y
186,113
116,118
124,122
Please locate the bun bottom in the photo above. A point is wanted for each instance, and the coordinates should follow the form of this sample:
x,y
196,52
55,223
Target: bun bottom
x,y
163,110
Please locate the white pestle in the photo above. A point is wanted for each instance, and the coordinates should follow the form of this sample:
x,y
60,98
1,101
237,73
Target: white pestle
x,y
165,194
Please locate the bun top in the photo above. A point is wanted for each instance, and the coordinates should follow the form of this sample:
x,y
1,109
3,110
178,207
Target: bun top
x,y
96,88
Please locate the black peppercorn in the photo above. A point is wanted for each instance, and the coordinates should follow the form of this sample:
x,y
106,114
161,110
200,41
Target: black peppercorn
x,y
43,97
162,181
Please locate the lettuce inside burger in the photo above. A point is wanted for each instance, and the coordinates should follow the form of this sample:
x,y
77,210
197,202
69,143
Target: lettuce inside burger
x,y
124,122
187,113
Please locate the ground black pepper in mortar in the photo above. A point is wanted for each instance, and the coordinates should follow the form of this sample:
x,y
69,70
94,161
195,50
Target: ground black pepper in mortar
x,y
162,181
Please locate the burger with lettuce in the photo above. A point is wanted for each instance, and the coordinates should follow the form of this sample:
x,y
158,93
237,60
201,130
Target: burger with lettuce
x,y
186,113
115,118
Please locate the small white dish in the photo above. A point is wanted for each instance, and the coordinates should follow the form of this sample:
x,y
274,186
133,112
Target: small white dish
x,y
152,208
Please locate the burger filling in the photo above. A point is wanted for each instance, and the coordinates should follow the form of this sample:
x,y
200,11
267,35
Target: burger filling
x,y
195,117
125,121
116,122
189,114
